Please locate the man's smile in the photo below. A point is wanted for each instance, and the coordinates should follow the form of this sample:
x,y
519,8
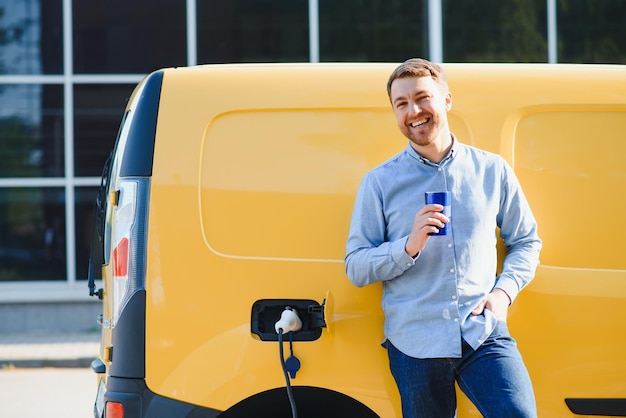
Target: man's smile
x,y
419,122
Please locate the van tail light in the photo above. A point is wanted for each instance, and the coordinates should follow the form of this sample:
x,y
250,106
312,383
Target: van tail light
x,y
114,410
128,242
120,259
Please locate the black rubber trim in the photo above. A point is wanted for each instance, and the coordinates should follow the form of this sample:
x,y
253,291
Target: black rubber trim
x,y
128,357
140,402
139,151
603,407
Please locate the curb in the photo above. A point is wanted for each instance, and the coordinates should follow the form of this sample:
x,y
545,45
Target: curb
x,y
61,363
60,350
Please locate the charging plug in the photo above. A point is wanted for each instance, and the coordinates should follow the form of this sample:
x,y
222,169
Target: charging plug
x,y
289,321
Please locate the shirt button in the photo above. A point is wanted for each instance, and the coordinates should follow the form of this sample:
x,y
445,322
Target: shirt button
x,y
456,319
449,245
451,270
439,169
408,264
453,297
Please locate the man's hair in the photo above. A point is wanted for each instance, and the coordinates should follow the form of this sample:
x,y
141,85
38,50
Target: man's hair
x,y
418,67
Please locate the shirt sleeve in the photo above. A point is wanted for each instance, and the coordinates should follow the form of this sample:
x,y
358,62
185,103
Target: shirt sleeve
x,y
518,229
369,258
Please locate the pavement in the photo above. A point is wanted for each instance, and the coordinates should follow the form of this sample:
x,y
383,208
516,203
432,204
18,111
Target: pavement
x,y
39,349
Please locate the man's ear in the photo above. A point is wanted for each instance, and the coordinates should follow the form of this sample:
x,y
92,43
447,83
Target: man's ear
x,y
448,100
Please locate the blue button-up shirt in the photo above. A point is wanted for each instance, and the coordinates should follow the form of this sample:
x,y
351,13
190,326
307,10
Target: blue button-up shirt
x,y
428,301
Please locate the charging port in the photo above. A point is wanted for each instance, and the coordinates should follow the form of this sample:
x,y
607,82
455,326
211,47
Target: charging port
x,y
267,312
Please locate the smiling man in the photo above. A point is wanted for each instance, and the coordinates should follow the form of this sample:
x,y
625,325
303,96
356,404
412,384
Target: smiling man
x,y
445,306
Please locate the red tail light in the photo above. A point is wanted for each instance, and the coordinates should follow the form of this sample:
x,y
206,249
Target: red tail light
x,y
114,410
120,258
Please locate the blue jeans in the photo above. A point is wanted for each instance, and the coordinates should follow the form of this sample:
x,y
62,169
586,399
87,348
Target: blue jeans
x,y
493,377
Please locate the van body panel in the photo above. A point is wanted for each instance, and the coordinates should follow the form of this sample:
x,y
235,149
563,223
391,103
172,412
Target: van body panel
x,y
252,181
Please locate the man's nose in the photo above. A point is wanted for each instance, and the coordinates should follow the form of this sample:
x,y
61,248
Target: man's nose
x,y
414,108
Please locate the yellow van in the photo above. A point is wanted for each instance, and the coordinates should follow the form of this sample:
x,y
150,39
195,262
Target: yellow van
x,y
222,221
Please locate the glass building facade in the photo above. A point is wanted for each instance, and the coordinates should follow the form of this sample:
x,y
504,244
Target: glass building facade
x,y
67,68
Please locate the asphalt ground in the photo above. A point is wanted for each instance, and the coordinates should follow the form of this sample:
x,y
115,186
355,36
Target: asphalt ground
x,y
47,392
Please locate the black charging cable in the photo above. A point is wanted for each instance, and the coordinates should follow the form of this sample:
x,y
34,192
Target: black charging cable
x,y
292,402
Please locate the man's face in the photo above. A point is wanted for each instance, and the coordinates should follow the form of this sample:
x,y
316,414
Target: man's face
x,y
421,107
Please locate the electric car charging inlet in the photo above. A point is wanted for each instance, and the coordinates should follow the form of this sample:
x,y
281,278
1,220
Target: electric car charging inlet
x,y
267,312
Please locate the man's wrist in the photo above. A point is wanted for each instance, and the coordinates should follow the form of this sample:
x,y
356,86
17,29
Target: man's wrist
x,y
411,253
503,292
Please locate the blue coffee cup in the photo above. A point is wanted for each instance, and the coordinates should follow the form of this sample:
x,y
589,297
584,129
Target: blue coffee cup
x,y
441,198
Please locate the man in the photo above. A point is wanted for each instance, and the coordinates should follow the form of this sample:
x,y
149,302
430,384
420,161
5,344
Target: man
x,y
445,307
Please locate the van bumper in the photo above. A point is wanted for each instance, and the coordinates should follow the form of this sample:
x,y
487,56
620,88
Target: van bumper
x,y
140,402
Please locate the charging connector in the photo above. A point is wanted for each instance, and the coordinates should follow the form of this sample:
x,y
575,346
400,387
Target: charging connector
x,y
289,321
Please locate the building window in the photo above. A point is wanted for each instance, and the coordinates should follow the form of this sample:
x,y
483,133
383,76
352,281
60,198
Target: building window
x,y
494,31
128,37
373,31
252,31
31,37
592,32
84,206
98,111
32,234
31,128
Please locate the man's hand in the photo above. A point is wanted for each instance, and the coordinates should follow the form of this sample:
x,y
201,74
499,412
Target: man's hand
x,y
428,220
497,302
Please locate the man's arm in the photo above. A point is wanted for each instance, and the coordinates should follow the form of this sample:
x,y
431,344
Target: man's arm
x,y
518,229
369,258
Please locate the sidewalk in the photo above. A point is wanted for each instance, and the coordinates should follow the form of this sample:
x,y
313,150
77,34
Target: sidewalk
x,y
48,350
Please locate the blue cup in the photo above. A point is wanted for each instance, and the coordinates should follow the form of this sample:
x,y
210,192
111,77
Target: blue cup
x,y
441,198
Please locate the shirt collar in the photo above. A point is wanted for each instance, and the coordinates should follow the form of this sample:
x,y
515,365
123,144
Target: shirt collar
x,y
453,151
